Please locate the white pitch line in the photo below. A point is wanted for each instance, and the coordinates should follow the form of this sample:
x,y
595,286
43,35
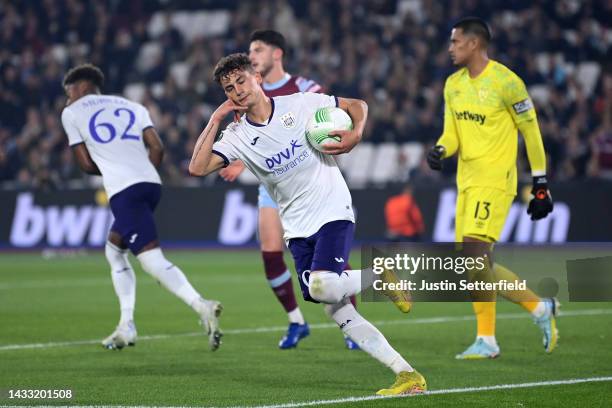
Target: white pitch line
x,y
434,392
570,381
254,330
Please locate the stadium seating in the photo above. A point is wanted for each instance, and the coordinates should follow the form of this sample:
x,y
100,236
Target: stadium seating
x,y
145,50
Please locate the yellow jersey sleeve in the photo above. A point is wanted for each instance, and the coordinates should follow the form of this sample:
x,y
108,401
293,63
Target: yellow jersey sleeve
x,y
535,147
519,104
449,138
516,99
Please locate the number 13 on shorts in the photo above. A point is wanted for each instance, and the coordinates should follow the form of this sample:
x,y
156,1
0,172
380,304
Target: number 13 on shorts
x,y
481,213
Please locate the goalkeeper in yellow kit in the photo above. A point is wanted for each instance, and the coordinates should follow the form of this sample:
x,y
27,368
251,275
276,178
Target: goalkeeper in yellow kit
x,y
486,104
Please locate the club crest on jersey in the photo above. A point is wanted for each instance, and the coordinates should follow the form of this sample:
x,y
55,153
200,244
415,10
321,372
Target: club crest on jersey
x,y
482,94
288,120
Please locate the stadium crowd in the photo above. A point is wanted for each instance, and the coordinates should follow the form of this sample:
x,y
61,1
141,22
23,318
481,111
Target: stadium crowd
x,y
391,53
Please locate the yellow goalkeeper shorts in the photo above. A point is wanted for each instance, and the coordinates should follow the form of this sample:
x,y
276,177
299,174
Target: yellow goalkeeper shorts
x,y
481,213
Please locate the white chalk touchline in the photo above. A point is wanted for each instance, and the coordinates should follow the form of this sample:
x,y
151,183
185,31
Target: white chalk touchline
x,y
435,392
371,397
408,321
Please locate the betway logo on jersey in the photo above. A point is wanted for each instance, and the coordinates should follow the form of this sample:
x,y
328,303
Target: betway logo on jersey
x,y
287,159
67,225
474,117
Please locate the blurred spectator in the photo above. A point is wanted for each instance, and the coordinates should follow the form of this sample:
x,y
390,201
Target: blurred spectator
x,y
403,217
391,53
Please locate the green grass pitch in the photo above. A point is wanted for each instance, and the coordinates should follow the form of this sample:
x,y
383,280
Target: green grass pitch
x,y
71,299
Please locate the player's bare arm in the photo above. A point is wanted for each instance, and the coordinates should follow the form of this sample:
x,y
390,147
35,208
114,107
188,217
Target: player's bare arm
x,y
154,145
231,172
84,159
203,161
358,111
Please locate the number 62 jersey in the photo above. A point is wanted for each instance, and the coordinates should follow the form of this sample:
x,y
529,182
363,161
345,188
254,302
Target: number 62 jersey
x,y
111,128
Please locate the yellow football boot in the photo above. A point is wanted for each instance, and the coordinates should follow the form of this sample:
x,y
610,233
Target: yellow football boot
x,y
406,383
400,298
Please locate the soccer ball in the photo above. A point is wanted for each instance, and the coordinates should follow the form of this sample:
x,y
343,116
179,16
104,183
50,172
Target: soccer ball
x,y
324,121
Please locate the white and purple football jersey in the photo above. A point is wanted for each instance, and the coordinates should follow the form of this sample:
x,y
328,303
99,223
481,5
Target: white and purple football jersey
x,y
306,184
111,128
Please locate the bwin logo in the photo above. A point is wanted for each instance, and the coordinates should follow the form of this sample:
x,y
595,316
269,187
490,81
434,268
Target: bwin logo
x,y
58,225
286,154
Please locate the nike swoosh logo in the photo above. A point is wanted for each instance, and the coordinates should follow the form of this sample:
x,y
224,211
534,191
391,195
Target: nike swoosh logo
x,y
254,141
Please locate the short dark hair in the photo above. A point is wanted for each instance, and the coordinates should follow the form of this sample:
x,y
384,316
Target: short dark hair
x,y
475,26
231,63
85,72
270,37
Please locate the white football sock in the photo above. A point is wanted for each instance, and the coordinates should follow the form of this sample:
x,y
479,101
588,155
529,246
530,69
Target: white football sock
x,y
169,275
490,340
124,280
329,287
366,336
295,316
539,310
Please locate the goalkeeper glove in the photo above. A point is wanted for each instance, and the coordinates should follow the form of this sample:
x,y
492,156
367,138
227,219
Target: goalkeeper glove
x,y
541,204
434,157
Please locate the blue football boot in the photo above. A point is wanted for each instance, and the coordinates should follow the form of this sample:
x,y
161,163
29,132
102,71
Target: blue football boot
x,y
479,350
548,324
350,344
295,333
